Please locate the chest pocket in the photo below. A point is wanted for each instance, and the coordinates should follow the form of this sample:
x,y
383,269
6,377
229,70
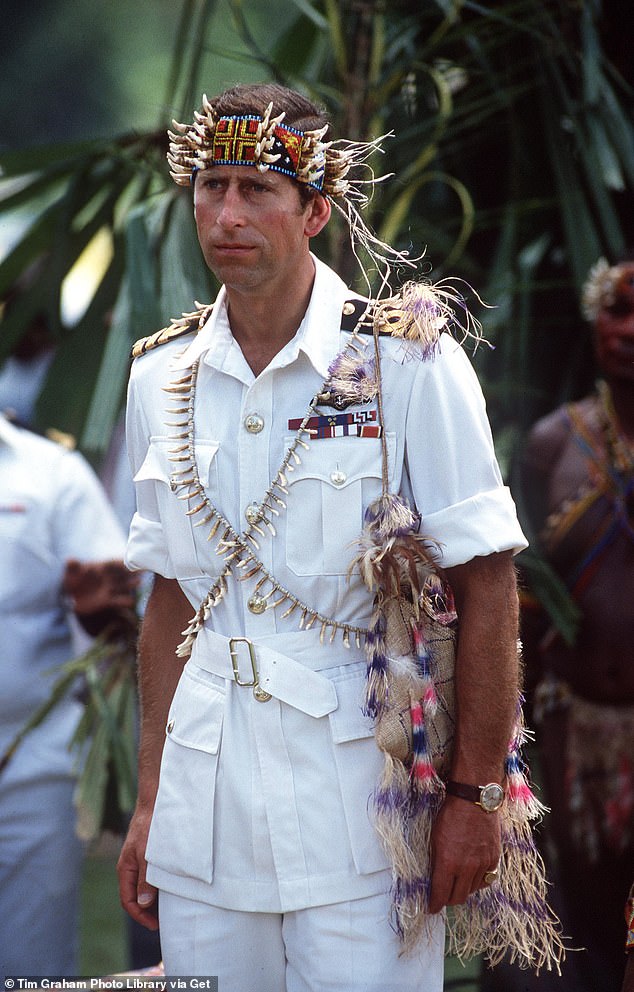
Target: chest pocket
x,y
328,495
189,551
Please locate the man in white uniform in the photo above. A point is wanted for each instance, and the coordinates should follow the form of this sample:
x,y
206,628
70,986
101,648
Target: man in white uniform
x,y
253,479
59,539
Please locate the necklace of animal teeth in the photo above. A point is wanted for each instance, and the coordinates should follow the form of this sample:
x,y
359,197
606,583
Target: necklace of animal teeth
x,y
239,549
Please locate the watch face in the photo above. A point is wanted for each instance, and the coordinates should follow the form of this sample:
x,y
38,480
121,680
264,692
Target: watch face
x,y
491,797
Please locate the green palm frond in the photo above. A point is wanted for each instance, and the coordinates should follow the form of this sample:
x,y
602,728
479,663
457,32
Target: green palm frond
x,y
104,742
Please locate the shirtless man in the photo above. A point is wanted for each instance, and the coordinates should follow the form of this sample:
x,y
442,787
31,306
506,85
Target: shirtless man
x,y
578,479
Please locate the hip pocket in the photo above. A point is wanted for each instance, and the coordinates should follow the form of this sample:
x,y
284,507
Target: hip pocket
x,y
181,834
359,765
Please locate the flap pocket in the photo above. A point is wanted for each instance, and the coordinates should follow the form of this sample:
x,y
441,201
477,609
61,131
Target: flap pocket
x,y
338,479
181,835
348,722
153,465
340,462
359,766
159,467
196,713
160,478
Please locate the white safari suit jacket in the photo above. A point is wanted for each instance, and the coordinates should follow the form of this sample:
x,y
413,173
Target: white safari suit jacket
x,y
265,806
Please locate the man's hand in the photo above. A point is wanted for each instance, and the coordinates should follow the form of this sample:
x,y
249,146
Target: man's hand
x,y
102,593
137,896
466,840
465,846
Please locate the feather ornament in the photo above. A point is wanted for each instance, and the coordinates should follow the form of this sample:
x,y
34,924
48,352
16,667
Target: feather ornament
x,y
352,379
422,310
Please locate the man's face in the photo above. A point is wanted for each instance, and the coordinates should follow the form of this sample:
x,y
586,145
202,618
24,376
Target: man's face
x,y
252,228
614,329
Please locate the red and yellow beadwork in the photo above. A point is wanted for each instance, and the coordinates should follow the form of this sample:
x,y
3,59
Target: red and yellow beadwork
x,y
261,141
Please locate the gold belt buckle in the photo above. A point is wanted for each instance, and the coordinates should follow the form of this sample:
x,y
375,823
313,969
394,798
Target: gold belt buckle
x,y
260,694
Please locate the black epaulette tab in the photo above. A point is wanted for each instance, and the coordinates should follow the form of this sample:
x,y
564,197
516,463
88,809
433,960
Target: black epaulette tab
x,y
189,323
351,314
359,314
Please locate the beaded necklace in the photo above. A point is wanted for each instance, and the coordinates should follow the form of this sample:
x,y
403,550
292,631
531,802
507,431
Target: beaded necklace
x,y
239,549
611,481
611,458
620,449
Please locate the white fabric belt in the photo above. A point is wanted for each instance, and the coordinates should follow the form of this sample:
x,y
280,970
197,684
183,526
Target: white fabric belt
x,y
268,671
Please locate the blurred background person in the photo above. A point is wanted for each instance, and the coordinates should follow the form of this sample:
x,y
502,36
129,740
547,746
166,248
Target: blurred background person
x,y
577,478
61,558
24,370
22,376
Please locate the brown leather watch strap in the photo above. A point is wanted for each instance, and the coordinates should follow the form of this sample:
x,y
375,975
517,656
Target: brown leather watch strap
x,y
469,792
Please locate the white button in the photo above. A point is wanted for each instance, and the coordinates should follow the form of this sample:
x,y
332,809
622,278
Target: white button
x,y
253,513
170,726
254,423
256,604
338,477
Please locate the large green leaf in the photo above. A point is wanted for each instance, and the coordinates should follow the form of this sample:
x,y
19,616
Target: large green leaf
x,y
59,157
108,388
67,394
184,277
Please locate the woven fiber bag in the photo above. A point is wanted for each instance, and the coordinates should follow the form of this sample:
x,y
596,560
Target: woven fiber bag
x,y
411,649
407,682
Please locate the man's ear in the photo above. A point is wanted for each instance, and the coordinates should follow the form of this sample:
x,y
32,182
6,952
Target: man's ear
x,y
317,216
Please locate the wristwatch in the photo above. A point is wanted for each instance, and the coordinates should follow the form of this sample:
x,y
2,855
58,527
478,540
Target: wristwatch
x,y
490,797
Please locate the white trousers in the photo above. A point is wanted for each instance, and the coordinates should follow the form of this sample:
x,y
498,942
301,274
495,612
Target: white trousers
x,y
40,873
344,947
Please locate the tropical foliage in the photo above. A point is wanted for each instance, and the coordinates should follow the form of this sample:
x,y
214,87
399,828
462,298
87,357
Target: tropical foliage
x,y
513,162
104,741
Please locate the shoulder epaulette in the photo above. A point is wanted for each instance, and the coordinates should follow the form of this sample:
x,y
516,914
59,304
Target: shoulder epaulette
x,y
389,317
358,314
187,324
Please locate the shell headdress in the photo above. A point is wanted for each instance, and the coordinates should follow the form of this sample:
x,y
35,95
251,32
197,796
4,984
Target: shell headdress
x,y
267,143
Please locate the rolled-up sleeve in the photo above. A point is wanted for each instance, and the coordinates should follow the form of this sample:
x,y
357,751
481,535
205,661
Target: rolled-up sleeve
x,y
455,478
147,546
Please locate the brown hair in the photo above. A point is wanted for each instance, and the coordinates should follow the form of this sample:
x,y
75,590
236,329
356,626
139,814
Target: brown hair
x,y
300,112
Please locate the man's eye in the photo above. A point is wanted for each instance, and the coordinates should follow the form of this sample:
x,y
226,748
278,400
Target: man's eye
x,y
209,181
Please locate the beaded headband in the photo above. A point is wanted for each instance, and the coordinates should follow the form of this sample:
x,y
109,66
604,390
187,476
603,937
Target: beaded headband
x,y
601,288
244,141
266,143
